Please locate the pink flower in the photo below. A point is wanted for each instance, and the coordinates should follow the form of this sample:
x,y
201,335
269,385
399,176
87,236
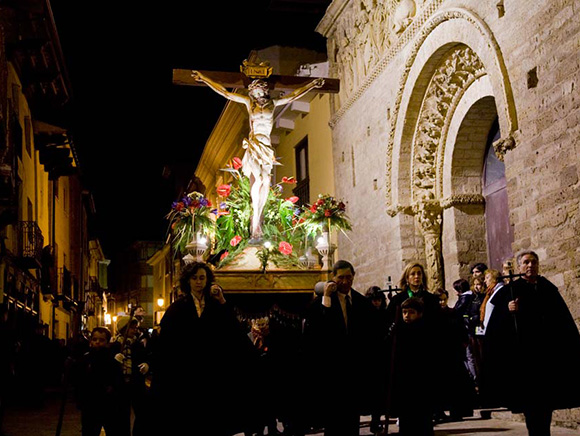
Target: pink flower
x,y
285,248
224,255
223,212
224,190
235,240
290,180
236,163
292,199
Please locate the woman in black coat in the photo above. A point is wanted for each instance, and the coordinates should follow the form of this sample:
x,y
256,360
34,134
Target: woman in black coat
x,y
203,356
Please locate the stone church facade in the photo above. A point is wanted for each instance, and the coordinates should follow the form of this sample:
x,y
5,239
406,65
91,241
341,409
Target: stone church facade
x,y
456,136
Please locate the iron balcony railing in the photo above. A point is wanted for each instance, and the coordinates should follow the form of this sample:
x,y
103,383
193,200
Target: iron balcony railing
x,y
30,245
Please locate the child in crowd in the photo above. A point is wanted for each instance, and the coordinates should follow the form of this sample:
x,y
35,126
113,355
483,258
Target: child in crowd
x,y
98,380
414,378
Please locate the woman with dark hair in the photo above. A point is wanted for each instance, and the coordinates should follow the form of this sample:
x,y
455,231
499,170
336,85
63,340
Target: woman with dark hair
x,y
203,356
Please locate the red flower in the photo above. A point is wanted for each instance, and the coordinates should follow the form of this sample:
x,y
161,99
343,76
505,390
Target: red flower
x,y
290,180
285,248
341,206
327,213
293,199
179,206
223,212
224,190
236,163
224,255
313,208
235,240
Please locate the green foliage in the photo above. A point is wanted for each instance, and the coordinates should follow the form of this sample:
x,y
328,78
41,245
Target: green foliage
x,y
325,214
188,216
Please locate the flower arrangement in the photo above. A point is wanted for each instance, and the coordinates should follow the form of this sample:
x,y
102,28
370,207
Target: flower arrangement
x,y
278,225
325,214
188,216
287,229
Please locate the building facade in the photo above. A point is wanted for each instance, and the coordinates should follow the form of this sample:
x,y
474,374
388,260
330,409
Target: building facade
x,y
46,213
455,135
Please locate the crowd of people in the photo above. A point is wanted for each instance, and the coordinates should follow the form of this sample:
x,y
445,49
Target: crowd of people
x,y
508,341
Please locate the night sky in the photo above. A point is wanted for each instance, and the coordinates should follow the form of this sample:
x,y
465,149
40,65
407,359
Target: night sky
x,y
129,119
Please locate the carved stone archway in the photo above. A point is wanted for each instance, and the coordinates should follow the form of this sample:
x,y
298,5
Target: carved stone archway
x,y
442,57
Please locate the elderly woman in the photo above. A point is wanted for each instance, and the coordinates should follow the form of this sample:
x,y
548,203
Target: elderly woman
x,y
202,359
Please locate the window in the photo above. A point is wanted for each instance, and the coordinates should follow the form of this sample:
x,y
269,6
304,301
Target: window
x,y
302,190
28,135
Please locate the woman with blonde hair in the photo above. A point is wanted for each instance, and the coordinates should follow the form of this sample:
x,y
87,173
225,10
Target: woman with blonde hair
x,y
413,287
413,283
413,278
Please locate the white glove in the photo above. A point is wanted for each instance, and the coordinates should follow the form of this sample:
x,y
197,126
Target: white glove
x,y
143,368
119,357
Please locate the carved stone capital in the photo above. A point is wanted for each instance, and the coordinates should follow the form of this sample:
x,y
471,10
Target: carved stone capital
x,y
429,216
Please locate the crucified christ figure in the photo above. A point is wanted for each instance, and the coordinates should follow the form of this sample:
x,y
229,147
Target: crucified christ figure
x,y
259,157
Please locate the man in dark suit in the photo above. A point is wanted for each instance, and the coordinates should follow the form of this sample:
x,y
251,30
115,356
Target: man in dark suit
x,y
341,337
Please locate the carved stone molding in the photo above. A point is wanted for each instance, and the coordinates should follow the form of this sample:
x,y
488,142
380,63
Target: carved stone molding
x,y
478,25
461,200
460,68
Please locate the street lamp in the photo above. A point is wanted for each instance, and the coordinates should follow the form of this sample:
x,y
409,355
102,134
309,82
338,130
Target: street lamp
x,y
160,301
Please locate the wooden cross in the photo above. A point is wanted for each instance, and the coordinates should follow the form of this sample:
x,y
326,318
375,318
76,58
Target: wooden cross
x,y
240,80
253,70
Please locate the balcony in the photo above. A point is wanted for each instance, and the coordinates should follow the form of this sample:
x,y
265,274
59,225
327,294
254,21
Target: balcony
x,y
30,243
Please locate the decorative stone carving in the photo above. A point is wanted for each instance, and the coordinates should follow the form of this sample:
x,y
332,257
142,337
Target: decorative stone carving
x,y
362,34
503,145
462,199
456,72
429,217
404,14
431,21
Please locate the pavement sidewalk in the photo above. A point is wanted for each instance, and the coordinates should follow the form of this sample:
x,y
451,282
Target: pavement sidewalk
x,y
42,421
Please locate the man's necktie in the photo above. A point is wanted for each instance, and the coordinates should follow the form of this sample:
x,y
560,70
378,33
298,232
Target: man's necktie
x,y
348,310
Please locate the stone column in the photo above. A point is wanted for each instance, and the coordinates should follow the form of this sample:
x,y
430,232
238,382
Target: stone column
x,y
429,215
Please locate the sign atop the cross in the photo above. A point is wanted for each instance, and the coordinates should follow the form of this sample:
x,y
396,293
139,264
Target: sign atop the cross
x,y
263,70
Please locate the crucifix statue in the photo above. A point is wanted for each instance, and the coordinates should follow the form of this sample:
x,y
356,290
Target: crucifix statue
x,y
259,158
